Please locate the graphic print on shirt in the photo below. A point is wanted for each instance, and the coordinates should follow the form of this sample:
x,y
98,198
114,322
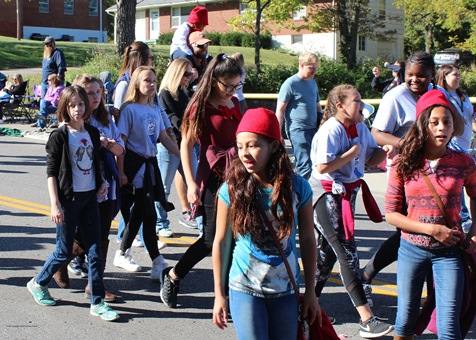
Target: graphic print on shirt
x,y
151,127
84,156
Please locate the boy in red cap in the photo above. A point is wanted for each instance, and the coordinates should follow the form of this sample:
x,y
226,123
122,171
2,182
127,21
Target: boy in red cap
x,y
197,20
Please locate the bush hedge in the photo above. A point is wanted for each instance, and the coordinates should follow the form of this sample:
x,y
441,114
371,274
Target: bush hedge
x,y
165,38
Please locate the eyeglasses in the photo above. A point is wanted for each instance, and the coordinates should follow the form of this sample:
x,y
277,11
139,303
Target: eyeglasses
x,y
231,88
188,74
200,46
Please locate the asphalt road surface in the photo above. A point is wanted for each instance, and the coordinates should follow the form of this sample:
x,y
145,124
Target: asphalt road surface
x,y
28,237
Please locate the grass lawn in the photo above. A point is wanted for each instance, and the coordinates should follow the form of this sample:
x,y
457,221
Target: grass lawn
x,y
26,53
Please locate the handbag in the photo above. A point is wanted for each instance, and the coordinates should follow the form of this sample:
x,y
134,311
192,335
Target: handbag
x,y
427,318
306,331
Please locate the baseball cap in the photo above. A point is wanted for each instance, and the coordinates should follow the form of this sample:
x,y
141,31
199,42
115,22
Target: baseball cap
x,y
198,38
48,39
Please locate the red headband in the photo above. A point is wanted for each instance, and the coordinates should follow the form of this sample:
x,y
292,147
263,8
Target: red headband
x,y
432,98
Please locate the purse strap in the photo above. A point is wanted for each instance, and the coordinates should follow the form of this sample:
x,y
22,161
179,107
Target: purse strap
x,y
280,249
439,203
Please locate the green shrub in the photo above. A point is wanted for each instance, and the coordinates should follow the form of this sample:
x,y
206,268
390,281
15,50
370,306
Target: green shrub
x,y
231,39
468,81
248,40
215,37
165,38
269,80
99,60
266,41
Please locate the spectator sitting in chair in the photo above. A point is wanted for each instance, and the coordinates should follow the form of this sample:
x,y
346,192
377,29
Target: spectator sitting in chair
x,y
16,89
49,104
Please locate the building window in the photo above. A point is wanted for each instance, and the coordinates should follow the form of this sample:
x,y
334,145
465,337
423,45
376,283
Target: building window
x,y
44,6
382,10
296,38
243,6
362,43
299,15
93,8
154,20
180,15
68,7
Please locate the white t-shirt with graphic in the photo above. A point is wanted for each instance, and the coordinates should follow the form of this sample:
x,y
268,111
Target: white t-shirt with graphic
x,y
81,153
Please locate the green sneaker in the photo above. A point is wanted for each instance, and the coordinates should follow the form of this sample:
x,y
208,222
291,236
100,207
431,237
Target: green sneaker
x,y
40,293
104,311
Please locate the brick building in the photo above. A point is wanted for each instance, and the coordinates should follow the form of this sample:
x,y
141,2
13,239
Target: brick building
x,y
81,20
154,17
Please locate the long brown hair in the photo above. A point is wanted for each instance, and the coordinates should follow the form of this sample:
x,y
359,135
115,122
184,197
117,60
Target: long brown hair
x,y
66,94
101,114
221,66
411,158
243,187
135,55
441,74
337,95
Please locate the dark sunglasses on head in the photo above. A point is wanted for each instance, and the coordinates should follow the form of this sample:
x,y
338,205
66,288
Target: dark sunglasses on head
x,y
188,74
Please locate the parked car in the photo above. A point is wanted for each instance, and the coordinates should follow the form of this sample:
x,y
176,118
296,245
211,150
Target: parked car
x,y
65,37
38,36
454,56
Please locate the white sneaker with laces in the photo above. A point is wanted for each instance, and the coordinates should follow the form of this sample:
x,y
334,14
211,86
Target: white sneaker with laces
x,y
158,265
125,261
161,245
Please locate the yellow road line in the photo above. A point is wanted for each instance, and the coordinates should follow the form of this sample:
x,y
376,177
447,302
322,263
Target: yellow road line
x,y
378,287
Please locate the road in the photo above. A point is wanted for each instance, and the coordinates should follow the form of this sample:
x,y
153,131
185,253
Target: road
x,y
27,238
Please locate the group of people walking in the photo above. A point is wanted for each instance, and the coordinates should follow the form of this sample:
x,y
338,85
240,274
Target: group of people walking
x,y
251,201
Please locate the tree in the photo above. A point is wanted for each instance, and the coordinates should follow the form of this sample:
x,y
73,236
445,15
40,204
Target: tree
x,y
441,23
125,24
350,17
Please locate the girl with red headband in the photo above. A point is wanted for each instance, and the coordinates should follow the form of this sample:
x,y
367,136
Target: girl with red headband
x,y
340,150
429,240
261,294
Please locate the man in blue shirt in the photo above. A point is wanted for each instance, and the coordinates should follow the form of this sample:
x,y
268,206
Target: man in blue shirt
x,y
54,62
299,110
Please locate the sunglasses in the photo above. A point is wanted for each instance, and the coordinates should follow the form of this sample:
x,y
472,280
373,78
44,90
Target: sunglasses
x,y
200,46
231,88
188,74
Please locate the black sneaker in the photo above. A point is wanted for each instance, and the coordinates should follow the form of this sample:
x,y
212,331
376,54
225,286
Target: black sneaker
x,y
374,328
170,289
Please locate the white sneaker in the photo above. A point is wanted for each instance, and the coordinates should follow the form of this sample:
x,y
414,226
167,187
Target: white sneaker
x,y
126,261
137,243
165,232
161,245
158,265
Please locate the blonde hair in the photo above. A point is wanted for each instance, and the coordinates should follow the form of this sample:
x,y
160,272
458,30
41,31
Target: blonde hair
x,y
18,77
337,95
133,93
173,76
308,58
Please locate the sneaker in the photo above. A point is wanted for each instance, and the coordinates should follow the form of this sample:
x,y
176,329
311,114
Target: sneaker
x,y
165,232
125,261
158,266
78,267
375,327
187,221
137,243
40,293
104,311
368,293
161,245
169,289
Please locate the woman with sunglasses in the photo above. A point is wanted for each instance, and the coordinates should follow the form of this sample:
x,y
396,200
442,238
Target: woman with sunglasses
x,y
49,104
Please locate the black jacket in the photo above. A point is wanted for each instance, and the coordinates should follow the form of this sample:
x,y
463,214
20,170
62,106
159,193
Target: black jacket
x,y
58,163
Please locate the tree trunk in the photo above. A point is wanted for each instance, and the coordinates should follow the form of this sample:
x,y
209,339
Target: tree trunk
x,y
19,20
125,24
257,36
428,38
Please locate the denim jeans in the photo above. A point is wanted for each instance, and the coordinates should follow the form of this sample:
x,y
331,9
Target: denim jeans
x,y
168,165
82,211
264,318
46,108
44,88
465,216
448,276
301,140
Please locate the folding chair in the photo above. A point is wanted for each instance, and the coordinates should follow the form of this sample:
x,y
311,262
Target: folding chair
x,y
18,108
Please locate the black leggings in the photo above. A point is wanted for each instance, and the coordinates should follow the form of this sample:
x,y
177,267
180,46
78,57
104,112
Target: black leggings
x,y
203,246
134,217
384,256
333,247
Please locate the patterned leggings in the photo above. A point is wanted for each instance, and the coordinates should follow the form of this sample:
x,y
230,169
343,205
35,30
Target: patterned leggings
x,y
334,246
